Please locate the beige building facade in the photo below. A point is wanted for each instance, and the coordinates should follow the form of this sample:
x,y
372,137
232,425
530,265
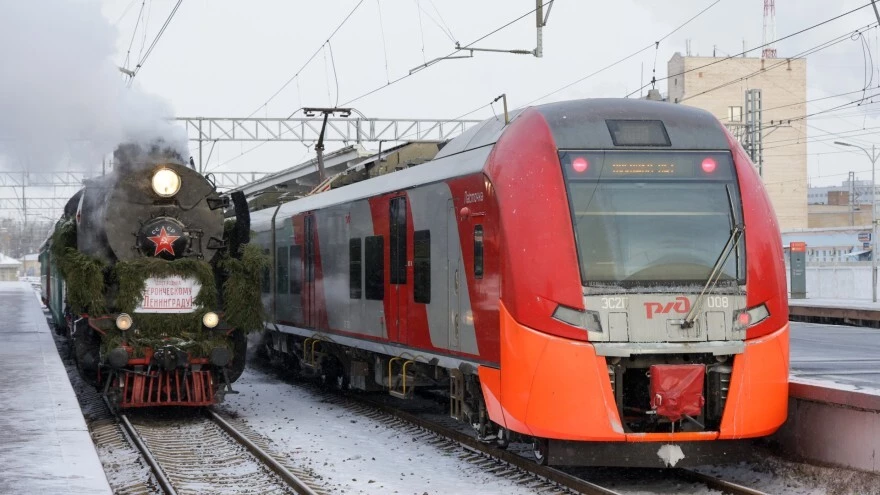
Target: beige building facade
x,y
720,89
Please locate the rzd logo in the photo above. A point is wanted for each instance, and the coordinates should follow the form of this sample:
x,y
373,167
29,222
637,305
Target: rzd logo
x,y
680,305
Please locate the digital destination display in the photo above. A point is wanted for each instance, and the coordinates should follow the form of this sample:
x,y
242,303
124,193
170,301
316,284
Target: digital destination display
x,y
639,165
643,168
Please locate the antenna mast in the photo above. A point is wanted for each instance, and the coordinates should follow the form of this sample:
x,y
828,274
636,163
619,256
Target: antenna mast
x,y
769,50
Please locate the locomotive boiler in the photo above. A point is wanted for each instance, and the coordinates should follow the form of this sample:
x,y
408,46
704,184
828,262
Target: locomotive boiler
x,y
151,285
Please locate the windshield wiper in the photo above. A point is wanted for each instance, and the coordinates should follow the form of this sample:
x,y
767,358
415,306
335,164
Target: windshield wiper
x,y
715,275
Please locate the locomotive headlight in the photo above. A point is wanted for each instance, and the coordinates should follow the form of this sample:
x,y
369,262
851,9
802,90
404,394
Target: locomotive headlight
x,y
166,182
123,322
210,319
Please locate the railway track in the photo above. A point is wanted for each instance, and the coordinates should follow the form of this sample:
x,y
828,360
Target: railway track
x,y
212,455
504,463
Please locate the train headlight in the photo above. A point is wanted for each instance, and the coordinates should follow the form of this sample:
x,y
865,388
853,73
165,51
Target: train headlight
x,y
588,320
752,316
123,322
211,319
166,182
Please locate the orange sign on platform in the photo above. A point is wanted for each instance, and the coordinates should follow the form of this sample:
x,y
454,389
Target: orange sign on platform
x,y
798,247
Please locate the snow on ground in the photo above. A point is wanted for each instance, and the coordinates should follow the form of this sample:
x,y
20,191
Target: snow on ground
x,y
775,475
353,454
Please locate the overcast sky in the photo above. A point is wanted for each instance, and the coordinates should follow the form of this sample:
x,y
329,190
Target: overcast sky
x,y
227,57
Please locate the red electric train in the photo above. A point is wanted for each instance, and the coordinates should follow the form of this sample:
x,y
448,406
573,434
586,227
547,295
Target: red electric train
x,y
602,278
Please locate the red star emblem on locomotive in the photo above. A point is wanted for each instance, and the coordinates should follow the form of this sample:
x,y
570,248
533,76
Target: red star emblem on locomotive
x,y
164,242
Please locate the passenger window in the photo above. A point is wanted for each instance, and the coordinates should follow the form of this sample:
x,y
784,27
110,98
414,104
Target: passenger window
x,y
354,268
422,266
282,276
296,271
374,270
478,251
266,282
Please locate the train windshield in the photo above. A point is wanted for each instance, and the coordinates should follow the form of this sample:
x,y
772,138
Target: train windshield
x,y
654,218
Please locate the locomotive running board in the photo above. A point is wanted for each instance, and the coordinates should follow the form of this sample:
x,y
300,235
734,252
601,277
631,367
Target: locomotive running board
x,y
166,388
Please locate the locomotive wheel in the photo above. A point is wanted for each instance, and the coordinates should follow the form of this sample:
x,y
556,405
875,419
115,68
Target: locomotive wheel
x,y
239,349
86,351
540,447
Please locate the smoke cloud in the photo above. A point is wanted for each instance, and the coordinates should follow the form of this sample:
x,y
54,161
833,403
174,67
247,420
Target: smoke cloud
x,y
63,102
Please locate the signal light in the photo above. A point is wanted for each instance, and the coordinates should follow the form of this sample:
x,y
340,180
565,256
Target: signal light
x,y
709,165
744,319
580,164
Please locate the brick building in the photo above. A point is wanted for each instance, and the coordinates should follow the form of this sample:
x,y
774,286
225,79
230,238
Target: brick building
x,y
720,89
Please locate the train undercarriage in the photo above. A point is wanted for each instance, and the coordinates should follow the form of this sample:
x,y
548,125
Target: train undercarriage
x,y
339,366
162,376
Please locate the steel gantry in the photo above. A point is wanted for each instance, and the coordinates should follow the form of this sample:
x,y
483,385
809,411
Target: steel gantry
x,y
55,188
308,129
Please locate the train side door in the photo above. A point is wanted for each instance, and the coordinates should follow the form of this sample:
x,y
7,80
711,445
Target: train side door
x,y
310,308
454,276
400,292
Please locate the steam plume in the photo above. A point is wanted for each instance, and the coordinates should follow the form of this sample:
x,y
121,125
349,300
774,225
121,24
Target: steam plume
x,y
63,103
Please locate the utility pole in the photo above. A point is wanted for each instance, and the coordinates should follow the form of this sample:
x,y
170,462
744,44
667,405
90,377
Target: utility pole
x,y
319,146
755,128
873,157
852,199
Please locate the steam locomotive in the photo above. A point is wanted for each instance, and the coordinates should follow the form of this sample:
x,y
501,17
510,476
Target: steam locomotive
x,y
600,278
151,285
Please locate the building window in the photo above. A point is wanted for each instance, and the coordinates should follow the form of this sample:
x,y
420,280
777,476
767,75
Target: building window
x,y
398,240
422,266
282,275
478,251
354,268
735,114
374,268
296,271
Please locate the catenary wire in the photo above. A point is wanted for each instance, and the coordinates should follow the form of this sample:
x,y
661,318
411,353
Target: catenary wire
x,y
624,59
307,62
804,30
158,36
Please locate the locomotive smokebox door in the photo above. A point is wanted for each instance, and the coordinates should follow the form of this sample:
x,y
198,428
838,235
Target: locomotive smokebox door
x,y
163,237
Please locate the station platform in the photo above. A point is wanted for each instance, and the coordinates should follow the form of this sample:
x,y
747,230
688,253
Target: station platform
x,y
845,355
834,396
862,312
45,446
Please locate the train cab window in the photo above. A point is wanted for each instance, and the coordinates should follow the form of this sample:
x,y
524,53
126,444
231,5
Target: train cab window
x,y
478,251
354,268
296,269
422,266
282,276
266,279
374,269
397,240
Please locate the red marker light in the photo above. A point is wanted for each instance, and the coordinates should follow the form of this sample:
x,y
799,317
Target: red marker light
x,y
709,165
744,319
580,164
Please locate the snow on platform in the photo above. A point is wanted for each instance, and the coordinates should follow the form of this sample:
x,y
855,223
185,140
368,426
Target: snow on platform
x,y
45,446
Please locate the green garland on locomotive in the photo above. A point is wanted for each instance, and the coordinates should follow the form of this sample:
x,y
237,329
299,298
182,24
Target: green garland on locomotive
x,y
86,278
